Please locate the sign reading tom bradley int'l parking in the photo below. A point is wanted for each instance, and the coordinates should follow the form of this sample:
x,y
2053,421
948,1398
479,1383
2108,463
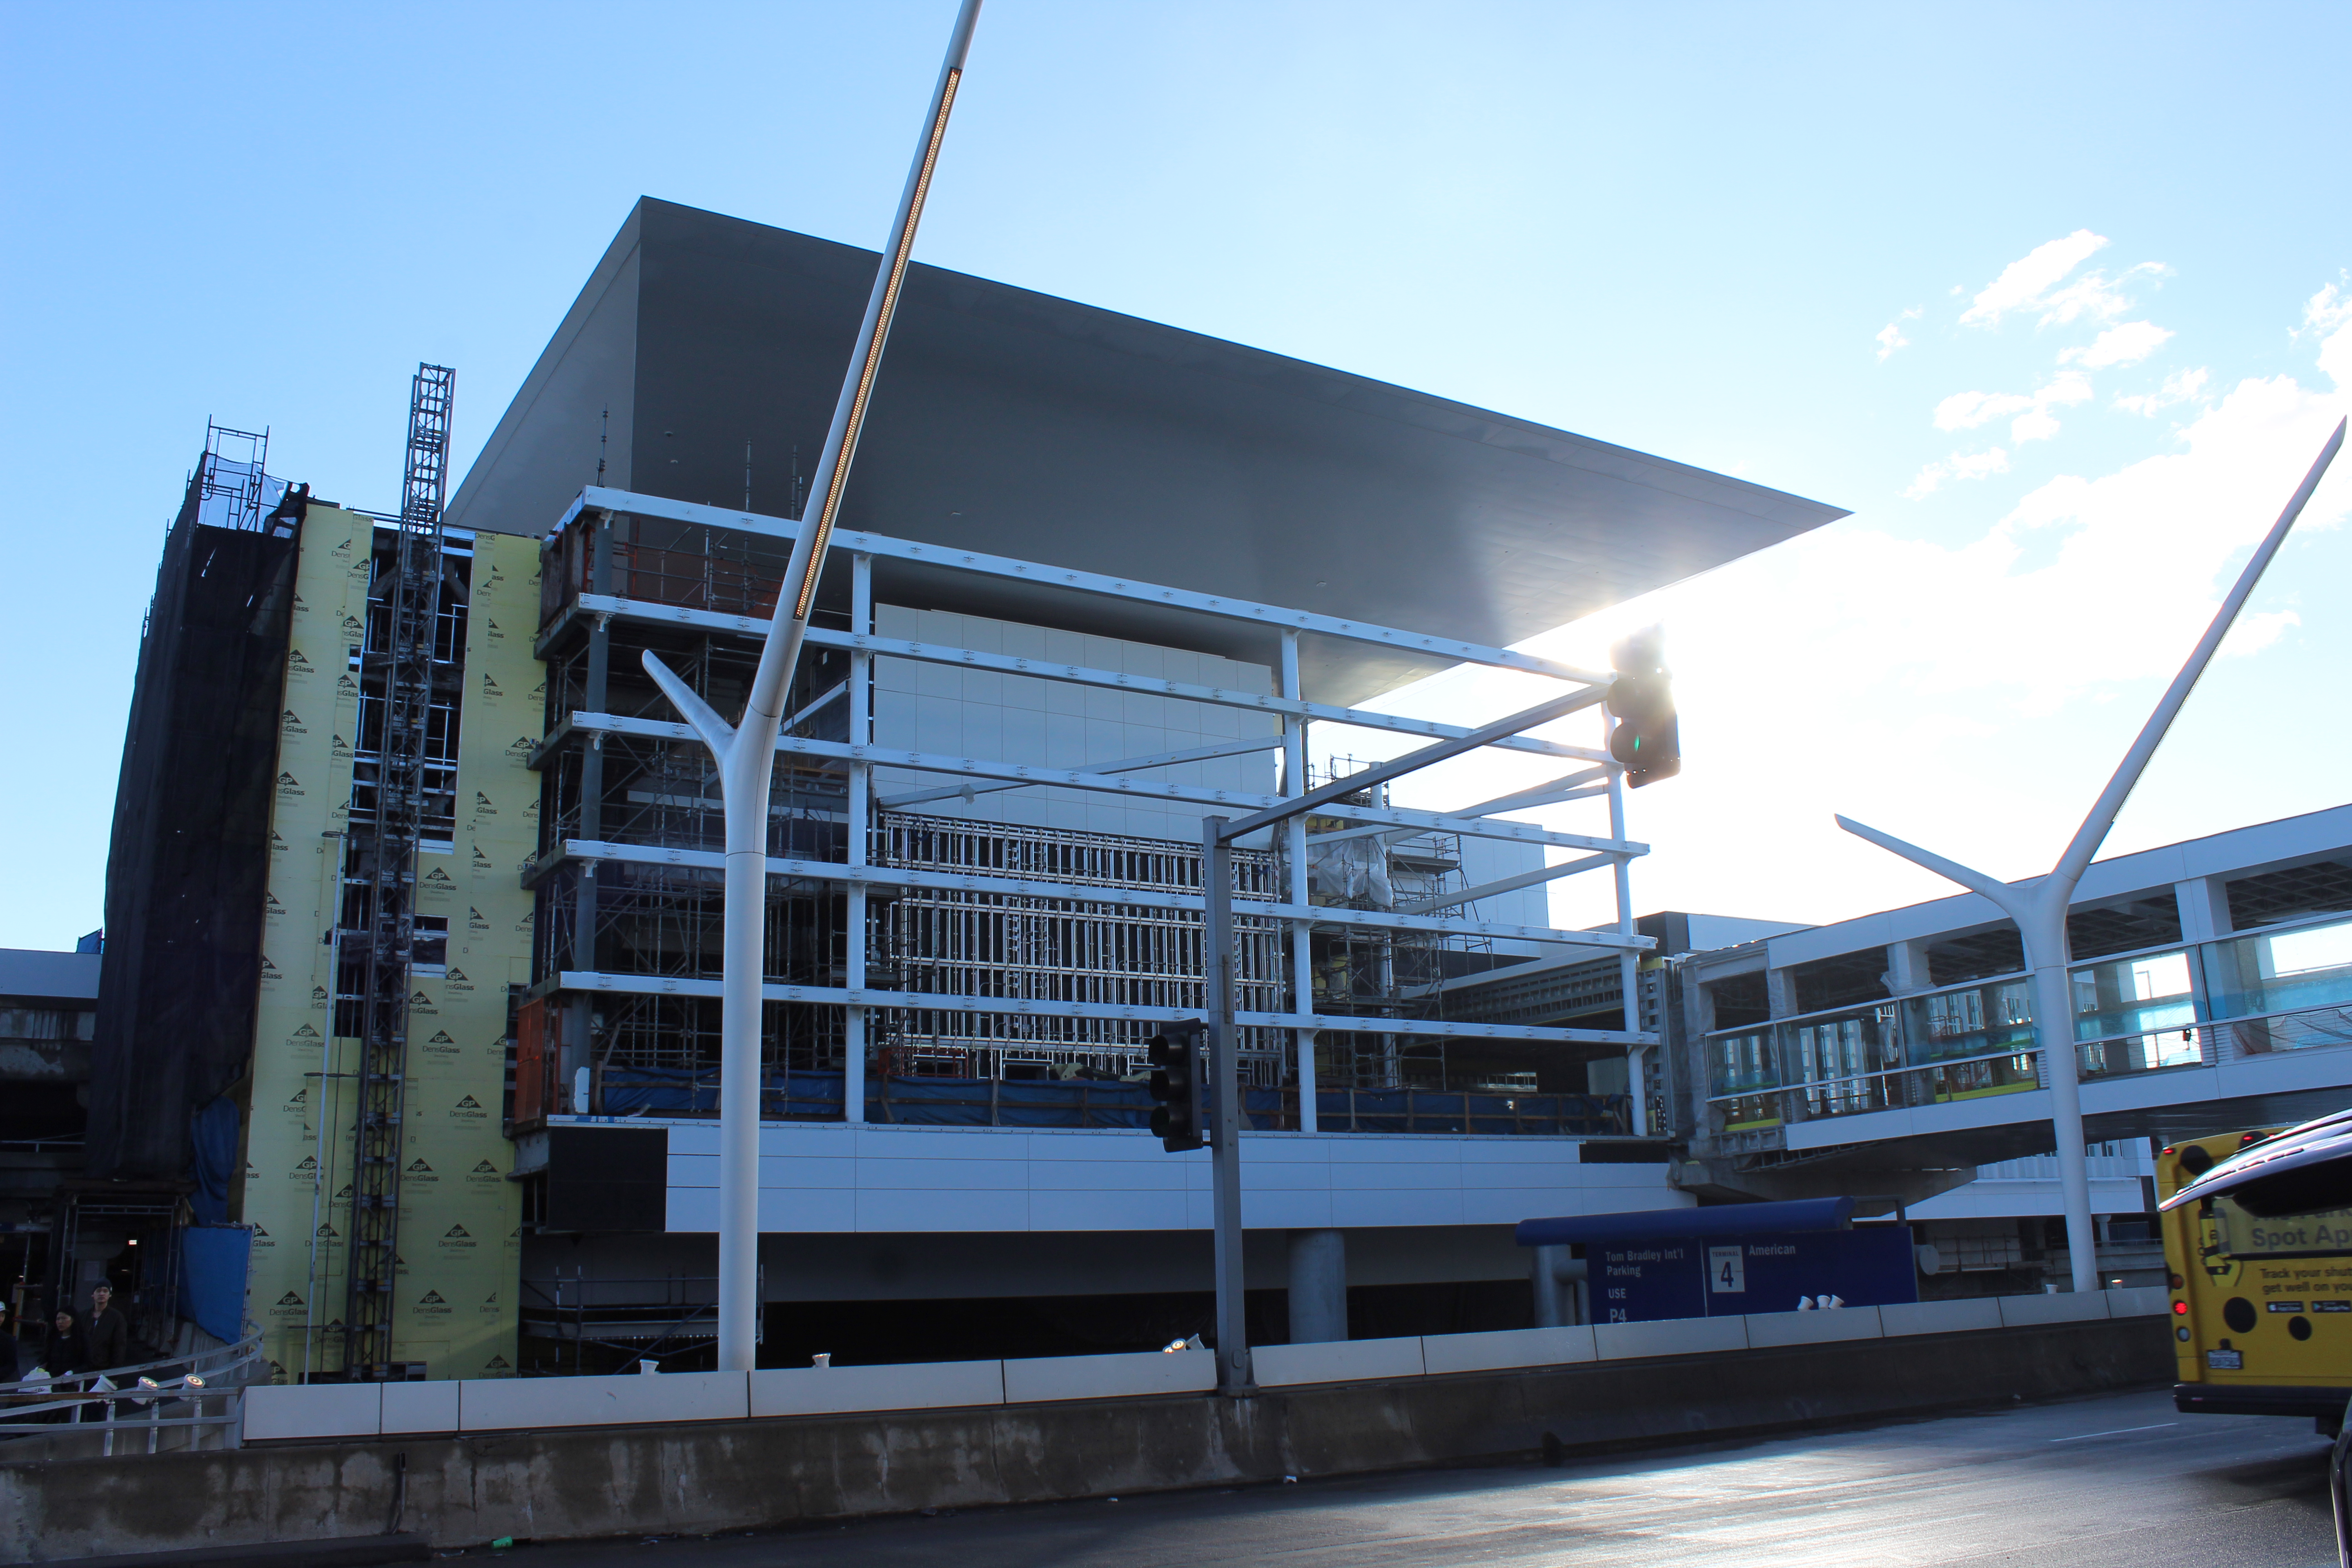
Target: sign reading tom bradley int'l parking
x,y
1729,1276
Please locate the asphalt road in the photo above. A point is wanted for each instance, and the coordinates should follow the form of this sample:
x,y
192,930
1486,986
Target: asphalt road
x,y
2090,1483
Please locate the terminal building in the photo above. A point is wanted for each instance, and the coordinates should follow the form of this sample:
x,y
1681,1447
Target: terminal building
x,y
1097,578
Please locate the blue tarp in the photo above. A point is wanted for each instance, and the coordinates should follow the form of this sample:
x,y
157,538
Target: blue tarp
x,y
1676,1225
212,1262
211,1156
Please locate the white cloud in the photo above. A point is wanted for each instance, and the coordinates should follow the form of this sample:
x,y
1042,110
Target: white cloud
x,y
2125,345
1890,336
2034,426
1958,466
2180,386
1967,410
1978,690
2023,282
2326,311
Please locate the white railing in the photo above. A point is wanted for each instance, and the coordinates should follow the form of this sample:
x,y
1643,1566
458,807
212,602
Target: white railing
x,y
2191,1045
193,1392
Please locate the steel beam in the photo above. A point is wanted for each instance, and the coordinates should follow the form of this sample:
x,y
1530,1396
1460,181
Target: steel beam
x,y
1107,784
1326,799
882,547
1031,1007
857,875
644,612
1138,765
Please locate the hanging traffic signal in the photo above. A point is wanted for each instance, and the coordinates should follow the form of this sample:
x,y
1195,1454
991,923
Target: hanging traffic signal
x,y
1647,737
1181,1066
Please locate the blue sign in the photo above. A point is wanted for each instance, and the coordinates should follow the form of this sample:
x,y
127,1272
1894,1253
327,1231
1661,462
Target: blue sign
x,y
1728,1275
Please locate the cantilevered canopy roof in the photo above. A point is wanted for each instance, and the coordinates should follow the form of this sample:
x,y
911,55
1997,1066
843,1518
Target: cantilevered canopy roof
x,y
1030,427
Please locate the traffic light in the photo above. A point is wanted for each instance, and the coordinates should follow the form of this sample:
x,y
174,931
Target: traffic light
x,y
1646,738
1179,1060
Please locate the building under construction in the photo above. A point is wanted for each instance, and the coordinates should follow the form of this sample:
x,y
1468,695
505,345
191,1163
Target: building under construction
x,y
315,927
1096,578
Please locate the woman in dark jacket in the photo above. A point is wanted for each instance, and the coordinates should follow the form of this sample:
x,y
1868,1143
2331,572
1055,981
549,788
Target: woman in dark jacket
x,y
67,1350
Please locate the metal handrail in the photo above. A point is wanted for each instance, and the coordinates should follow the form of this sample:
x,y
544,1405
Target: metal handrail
x,y
60,1403
2073,966
2034,1048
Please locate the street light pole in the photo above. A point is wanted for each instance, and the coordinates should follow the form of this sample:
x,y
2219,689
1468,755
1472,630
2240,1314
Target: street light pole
x,y
746,751
2040,907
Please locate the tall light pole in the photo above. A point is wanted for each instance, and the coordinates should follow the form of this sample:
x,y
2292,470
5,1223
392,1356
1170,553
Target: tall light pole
x,y
746,751
2040,907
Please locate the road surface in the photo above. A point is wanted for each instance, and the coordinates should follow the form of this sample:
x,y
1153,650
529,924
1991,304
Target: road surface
x,y
2090,1483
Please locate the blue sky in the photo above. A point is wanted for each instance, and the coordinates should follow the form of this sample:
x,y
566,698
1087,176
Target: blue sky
x,y
1686,230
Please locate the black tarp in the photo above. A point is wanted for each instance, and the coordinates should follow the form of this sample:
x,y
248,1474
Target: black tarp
x,y
187,868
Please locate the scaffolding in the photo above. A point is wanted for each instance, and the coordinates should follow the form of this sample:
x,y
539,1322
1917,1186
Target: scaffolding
x,y
231,484
413,729
1375,973
1056,951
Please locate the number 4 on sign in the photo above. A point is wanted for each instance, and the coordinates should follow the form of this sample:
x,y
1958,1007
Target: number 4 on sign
x,y
1726,1269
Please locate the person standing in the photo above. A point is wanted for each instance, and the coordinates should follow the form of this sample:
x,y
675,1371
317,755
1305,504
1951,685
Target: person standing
x,y
65,1350
109,1334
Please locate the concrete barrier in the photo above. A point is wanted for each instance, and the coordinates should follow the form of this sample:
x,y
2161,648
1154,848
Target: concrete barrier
x,y
1336,1361
1670,1336
1504,1347
836,1390
324,1411
308,1412
2026,1311
707,1475
1765,1330
419,1407
1939,1317
533,1403
1122,1376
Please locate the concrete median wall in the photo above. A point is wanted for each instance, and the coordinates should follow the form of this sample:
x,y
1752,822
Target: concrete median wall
x,y
709,1473
320,1412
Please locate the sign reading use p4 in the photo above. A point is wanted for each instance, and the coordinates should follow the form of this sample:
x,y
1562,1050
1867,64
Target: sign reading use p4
x,y
1731,1276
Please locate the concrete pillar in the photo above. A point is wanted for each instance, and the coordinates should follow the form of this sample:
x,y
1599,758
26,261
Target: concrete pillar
x,y
1559,1282
1906,968
1318,1286
2204,906
2204,903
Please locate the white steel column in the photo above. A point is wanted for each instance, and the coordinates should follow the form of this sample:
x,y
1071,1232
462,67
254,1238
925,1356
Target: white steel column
x,y
2040,907
747,752
1302,951
861,799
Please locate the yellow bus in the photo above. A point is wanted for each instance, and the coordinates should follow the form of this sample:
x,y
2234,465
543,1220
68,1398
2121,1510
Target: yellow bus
x,y
2262,1308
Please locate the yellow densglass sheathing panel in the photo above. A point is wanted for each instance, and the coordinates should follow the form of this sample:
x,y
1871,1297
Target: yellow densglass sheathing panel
x,y
292,1173
460,1246
454,1300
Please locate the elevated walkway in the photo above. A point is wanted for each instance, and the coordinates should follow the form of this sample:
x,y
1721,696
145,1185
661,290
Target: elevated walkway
x,y
2218,996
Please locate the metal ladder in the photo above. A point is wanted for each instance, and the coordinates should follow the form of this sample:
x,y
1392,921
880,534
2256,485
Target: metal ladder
x,y
411,610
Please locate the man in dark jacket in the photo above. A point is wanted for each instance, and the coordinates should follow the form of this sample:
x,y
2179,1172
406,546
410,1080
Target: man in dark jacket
x,y
109,1333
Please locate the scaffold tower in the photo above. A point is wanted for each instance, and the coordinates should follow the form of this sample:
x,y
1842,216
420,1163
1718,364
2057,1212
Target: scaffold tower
x,y
407,598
